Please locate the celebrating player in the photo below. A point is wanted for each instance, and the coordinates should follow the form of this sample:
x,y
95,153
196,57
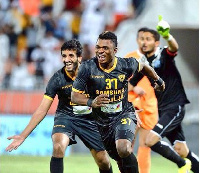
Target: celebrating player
x,y
171,102
70,119
106,79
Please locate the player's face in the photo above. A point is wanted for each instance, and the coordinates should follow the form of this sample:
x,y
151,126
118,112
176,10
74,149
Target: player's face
x,y
139,40
105,52
148,43
70,60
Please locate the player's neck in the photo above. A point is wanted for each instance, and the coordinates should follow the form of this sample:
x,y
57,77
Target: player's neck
x,y
108,65
150,54
72,74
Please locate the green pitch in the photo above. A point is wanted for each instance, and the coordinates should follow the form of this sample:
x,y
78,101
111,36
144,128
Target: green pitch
x,y
73,164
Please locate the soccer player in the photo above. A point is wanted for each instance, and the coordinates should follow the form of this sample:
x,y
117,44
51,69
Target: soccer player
x,y
143,98
106,79
70,119
171,102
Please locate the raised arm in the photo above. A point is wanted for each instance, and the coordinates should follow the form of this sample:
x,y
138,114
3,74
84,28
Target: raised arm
x,y
163,29
36,118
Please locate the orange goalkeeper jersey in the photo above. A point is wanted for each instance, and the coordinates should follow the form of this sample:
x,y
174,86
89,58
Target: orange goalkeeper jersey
x,y
147,102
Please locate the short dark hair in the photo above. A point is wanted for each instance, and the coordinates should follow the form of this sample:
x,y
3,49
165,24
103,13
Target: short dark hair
x,y
141,29
156,35
73,45
108,35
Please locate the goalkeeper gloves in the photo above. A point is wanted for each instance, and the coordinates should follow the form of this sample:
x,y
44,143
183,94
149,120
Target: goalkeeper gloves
x,y
163,28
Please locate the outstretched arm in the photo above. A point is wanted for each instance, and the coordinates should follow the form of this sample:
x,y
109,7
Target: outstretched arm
x,y
163,29
37,117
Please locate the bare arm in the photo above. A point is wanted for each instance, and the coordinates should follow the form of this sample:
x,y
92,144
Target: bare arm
x,y
130,87
37,117
172,44
81,99
150,72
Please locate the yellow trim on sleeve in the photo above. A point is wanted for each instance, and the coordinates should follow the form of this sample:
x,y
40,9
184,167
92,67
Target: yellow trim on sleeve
x,y
47,97
77,91
139,66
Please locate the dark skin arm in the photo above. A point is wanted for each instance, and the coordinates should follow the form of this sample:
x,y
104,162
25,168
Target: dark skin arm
x,y
150,72
81,99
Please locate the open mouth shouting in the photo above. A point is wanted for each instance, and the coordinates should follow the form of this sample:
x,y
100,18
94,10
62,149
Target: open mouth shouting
x,y
101,58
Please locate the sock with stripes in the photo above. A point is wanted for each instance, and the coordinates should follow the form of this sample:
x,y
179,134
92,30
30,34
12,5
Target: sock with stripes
x,y
195,161
164,149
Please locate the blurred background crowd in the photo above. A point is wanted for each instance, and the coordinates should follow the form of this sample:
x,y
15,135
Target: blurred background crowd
x,y
32,32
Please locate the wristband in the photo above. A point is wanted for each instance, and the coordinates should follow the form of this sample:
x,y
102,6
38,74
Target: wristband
x,y
159,81
89,102
169,38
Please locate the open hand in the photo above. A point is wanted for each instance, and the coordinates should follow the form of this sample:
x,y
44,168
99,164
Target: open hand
x,y
17,141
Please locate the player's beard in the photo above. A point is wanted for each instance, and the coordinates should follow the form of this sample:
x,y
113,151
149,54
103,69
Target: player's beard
x,y
74,66
149,50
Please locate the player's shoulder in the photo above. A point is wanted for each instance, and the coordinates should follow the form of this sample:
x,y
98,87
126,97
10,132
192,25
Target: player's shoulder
x,y
90,62
58,74
126,60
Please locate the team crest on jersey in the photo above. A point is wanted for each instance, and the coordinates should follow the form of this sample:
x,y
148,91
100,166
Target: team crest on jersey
x,y
121,77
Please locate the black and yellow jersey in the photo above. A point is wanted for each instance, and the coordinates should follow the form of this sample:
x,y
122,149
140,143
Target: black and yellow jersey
x,y
113,82
61,84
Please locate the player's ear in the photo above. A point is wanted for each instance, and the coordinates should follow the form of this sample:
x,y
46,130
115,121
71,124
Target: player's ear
x,y
115,49
157,43
79,59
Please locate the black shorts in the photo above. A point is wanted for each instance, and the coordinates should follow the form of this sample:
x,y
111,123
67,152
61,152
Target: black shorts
x,y
82,126
124,128
169,124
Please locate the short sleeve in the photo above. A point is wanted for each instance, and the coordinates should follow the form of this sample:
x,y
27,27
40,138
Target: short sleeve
x,y
83,75
133,64
51,89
